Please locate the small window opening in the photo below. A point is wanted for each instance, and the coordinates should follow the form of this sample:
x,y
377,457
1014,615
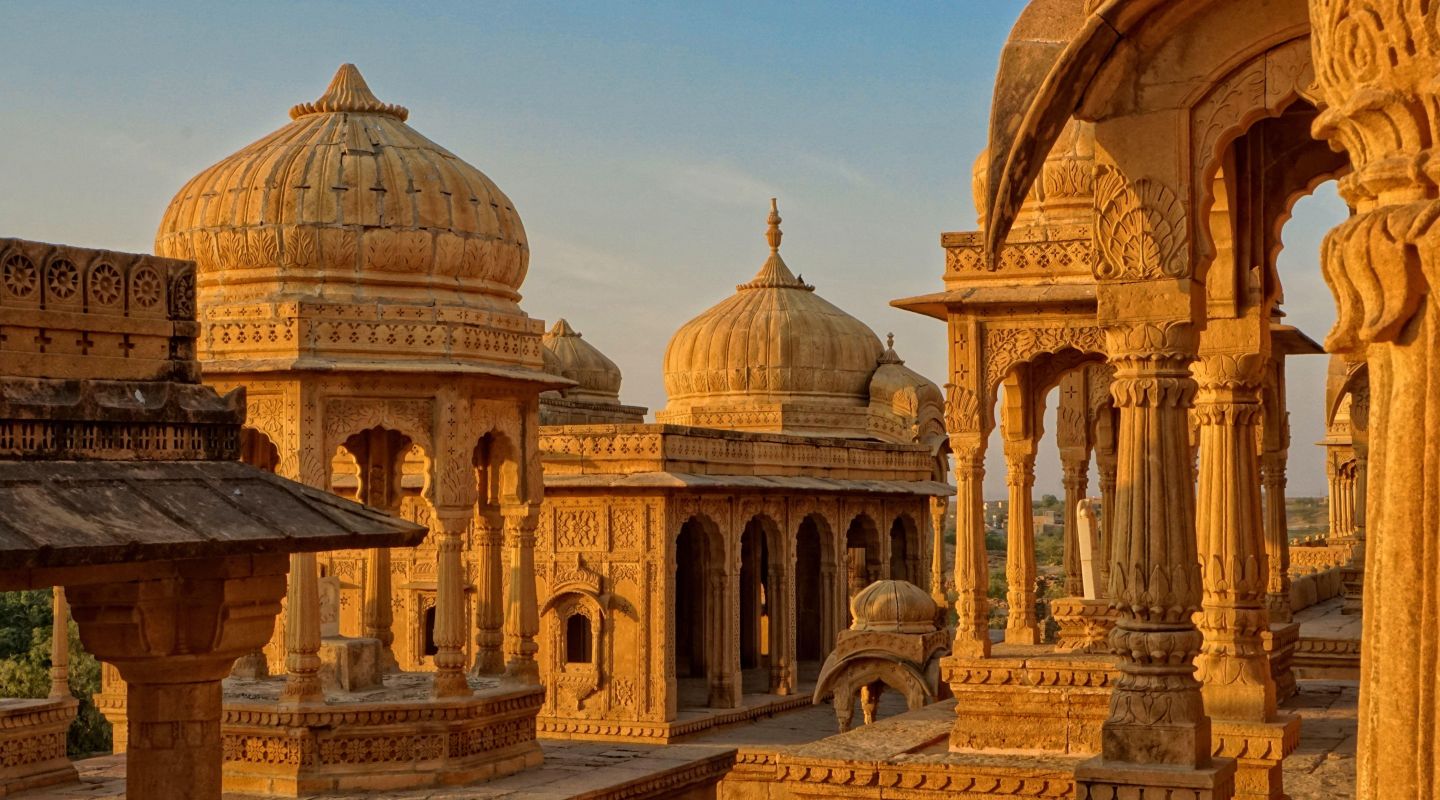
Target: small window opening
x,y
577,640
430,647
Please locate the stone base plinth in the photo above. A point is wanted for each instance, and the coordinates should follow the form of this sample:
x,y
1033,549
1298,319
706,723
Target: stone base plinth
x,y
897,757
384,740
1098,779
1280,642
1327,659
1352,578
1085,625
1258,748
688,722
32,743
350,664
1028,699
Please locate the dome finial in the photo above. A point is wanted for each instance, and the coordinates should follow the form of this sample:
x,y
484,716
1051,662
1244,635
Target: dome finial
x,y
890,341
348,92
772,233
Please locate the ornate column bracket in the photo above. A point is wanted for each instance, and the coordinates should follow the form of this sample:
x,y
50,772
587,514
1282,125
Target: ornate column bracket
x,y
449,530
1375,68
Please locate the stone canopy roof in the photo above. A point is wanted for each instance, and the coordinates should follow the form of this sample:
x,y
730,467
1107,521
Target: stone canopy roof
x,y
111,450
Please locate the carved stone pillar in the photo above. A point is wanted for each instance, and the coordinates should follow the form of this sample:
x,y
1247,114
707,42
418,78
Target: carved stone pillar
x,y
302,632
1233,668
1332,487
723,636
1277,536
449,532
490,622
59,645
972,567
1106,464
1075,468
779,594
1157,732
1021,626
173,640
522,612
378,616
938,507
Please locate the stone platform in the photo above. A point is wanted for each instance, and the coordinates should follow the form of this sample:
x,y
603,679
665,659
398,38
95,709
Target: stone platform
x,y
385,739
688,723
32,743
900,750
1329,644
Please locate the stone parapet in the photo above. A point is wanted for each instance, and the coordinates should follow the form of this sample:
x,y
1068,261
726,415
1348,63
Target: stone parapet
x,y
277,750
32,743
1085,625
628,449
1036,701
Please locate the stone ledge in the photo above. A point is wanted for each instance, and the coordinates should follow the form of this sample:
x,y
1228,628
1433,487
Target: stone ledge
x,y
663,732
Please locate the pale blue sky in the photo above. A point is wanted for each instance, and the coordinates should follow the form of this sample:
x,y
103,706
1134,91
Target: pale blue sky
x,y
640,142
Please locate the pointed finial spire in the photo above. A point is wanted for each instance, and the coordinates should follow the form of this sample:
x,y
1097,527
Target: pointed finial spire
x,y
774,274
890,356
772,233
890,341
348,92
561,328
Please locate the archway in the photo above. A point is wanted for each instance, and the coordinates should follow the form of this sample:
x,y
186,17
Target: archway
x,y
761,629
905,550
863,561
813,568
698,594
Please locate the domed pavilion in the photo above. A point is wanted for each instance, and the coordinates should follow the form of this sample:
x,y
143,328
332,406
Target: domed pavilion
x,y
361,284
697,571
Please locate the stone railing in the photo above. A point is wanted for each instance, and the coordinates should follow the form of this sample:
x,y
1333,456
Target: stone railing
x,y
622,449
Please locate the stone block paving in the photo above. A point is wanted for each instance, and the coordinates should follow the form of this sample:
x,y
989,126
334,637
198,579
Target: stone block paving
x,y
1323,767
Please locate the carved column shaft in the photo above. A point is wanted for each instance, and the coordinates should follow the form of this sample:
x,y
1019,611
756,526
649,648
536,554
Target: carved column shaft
x,y
1156,711
938,507
450,525
1106,463
1076,479
1021,626
302,632
378,620
1277,536
1233,667
522,613
972,568
59,645
490,625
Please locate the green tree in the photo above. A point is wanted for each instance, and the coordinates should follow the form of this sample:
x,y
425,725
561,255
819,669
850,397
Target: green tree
x,y
26,621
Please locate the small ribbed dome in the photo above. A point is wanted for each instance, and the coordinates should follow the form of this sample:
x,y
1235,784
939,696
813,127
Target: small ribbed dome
x,y
773,340
899,389
1065,189
569,355
348,203
892,607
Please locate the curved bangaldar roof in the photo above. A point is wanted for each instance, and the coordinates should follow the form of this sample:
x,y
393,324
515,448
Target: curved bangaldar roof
x,y
773,356
364,238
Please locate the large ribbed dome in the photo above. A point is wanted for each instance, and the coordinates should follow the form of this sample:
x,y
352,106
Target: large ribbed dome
x,y
347,240
348,202
773,340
